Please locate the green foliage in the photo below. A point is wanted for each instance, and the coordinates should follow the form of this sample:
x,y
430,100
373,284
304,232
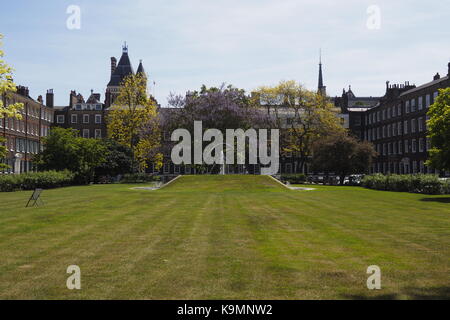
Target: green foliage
x,y
419,183
139,178
3,152
294,178
439,131
7,86
343,155
33,180
118,160
64,149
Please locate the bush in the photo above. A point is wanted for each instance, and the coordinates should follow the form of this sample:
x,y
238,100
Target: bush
x,y
294,178
419,183
33,180
446,186
139,178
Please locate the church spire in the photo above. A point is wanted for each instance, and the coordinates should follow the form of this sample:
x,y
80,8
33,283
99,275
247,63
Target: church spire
x,y
321,88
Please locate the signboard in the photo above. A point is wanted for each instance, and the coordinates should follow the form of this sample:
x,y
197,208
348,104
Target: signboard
x,y
36,197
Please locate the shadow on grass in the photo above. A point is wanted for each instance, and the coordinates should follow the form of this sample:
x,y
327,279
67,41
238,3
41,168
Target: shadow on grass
x,y
441,200
435,293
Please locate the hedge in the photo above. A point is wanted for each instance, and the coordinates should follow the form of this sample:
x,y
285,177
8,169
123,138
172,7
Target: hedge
x,y
139,178
294,178
418,183
33,180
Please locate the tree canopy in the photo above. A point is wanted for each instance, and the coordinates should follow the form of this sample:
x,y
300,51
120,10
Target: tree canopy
x,y
439,131
133,120
12,110
343,155
302,116
64,149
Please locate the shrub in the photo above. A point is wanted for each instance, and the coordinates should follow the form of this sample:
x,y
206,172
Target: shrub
x,y
139,178
33,180
294,178
419,183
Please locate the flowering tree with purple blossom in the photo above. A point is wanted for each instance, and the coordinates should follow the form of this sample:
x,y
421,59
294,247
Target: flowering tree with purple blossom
x,y
224,107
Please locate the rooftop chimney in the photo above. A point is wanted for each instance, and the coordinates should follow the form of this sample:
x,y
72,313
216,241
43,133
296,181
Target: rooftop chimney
x,y
437,76
113,64
49,100
73,98
40,100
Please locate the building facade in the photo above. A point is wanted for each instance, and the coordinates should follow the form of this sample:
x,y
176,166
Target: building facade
x,y
24,136
397,126
88,117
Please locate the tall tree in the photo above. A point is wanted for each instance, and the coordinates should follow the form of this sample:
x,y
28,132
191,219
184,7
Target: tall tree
x,y
224,107
12,110
343,155
64,149
302,116
133,111
439,131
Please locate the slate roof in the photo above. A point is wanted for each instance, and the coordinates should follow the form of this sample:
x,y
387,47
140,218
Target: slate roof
x,y
429,84
123,69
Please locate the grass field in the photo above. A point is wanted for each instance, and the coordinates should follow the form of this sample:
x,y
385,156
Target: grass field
x,y
224,237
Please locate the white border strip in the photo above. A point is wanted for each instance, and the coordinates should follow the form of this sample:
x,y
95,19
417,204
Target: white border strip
x,y
278,181
165,185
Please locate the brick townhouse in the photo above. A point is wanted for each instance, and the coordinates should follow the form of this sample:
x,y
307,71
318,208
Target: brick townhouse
x,y
24,136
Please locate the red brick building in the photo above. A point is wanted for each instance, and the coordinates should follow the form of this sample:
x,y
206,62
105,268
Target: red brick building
x,y
24,136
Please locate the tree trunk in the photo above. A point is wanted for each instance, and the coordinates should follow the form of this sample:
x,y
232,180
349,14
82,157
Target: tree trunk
x,y
341,179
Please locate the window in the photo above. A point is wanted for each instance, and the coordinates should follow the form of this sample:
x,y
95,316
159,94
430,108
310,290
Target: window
x,y
74,118
420,104
394,129
85,133
85,118
288,168
420,123
413,105
421,145
407,107
98,133
98,118
435,94
399,128
405,127
413,125
427,100
166,167
400,147
399,110
60,118
406,146
98,107
78,107
428,144
413,146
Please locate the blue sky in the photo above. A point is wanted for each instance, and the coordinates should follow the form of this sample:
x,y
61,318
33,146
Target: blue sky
x,y
247,43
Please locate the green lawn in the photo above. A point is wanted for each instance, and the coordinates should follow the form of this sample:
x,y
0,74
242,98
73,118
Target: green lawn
x,y
224,237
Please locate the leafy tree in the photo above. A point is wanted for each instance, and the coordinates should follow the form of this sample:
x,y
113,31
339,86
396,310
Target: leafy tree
x,y
219,108
64,149
118,160
3,153
343,155
12,110
133,111
302,116
439,131
225,107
